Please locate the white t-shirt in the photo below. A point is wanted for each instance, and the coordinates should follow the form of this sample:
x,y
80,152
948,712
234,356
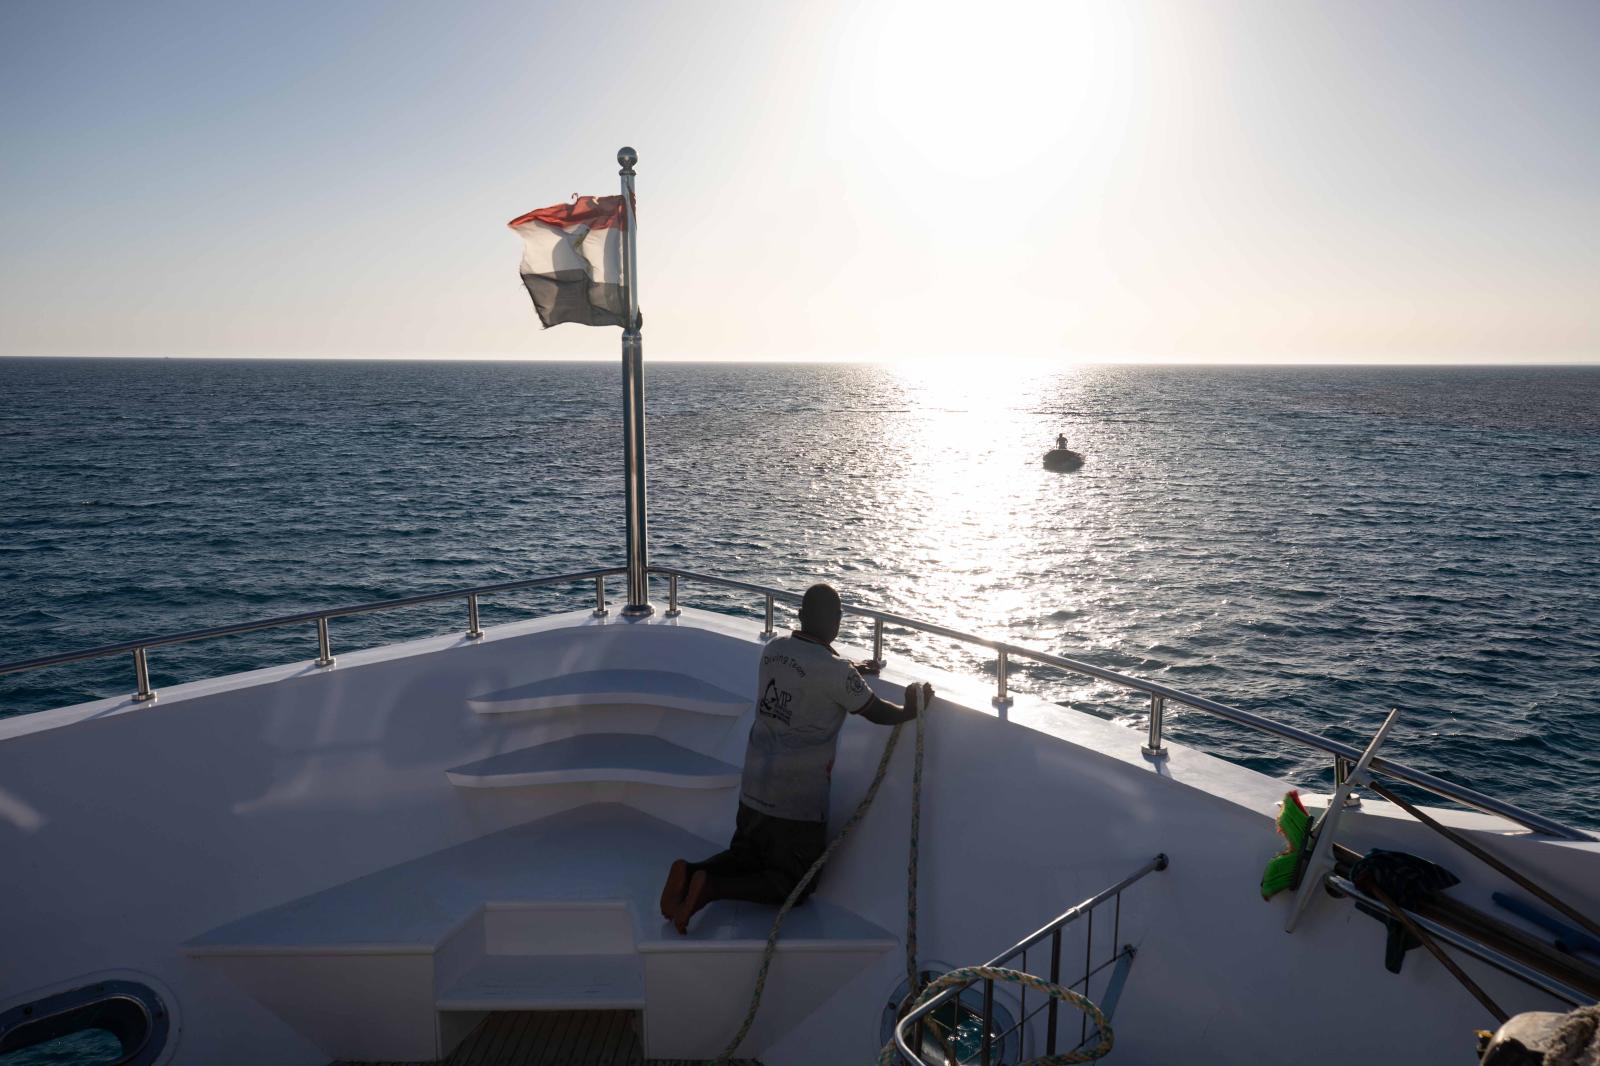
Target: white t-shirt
x,y
804,691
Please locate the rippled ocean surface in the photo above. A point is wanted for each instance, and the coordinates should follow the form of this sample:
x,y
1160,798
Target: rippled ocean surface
x,y
1313,544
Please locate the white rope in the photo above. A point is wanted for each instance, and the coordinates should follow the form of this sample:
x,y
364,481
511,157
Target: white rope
x,y
915,995
816,867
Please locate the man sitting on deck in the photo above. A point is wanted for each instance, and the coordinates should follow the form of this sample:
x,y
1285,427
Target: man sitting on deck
x,y
804,692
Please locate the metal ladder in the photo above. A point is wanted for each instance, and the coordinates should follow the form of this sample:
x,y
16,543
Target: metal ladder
x,y
942,1028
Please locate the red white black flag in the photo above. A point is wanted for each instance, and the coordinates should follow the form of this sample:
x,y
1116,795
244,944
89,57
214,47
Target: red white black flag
x,y
572,261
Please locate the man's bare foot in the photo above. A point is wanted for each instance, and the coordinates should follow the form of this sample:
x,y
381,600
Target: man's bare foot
x,y
698,895
672,891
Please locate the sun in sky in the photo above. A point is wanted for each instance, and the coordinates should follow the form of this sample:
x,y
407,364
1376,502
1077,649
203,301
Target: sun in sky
x,y
1231,181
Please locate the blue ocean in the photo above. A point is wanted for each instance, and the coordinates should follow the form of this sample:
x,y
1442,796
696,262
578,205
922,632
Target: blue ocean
x,y
1313,544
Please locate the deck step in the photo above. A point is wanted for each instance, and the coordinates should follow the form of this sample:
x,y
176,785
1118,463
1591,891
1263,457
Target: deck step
x,y
548,982
615,688
636,757
383,968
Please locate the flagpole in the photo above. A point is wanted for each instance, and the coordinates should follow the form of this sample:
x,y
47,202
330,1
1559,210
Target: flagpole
x,y
633,453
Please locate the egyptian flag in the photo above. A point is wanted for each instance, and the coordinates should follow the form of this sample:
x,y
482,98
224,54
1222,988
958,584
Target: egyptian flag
x,y
572,261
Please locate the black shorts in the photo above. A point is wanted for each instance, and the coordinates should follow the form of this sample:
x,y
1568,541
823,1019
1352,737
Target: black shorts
x,y
766,858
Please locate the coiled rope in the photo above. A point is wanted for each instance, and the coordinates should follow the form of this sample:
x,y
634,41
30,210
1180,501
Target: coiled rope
x,y
889,1055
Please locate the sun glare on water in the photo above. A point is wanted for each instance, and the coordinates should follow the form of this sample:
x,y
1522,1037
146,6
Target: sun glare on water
x,y
982,526
970,438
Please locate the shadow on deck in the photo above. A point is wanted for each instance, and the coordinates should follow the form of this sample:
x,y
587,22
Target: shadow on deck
x,y
554,1038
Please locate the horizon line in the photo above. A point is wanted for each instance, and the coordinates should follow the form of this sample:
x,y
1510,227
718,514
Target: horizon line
x,y
1352,361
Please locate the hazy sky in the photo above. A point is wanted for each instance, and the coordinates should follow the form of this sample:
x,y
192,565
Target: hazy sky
x,y
885,179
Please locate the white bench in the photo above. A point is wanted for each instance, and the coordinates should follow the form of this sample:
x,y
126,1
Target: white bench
x,y
555,914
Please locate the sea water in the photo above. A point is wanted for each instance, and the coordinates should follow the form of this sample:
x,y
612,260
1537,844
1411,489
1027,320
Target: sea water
x,y
1317,545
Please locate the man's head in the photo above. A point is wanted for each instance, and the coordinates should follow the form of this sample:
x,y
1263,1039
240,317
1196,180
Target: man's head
x,y
820,612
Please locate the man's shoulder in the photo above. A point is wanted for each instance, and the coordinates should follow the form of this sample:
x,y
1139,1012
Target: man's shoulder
x,y
794,644
810,656
790,646
792,652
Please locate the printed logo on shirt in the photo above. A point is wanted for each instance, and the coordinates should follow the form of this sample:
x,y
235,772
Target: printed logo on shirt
x,y
853,684
775,703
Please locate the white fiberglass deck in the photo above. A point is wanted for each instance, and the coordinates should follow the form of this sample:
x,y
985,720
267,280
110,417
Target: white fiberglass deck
x,y
599,853
293,866
548,982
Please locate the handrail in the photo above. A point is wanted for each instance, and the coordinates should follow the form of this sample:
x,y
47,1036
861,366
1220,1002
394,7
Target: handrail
x,y
1051,929
139,647
1160,695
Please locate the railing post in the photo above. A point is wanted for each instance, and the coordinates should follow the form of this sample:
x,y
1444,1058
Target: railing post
x,y
1022,1009
324,648
1088,968
877,644
1341,774
672,596
141,673
1001,666
988,1017
1055,979
600,597
473,632
767,633
1153,749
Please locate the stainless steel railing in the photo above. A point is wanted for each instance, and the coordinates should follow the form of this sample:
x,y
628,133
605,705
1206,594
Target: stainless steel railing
x,y
140,648
1160,697
1051,931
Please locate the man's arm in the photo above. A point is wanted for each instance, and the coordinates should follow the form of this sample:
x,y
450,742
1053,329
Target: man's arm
x,y
880,711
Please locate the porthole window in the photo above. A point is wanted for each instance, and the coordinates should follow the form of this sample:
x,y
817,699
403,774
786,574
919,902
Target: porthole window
x,y
109,1022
